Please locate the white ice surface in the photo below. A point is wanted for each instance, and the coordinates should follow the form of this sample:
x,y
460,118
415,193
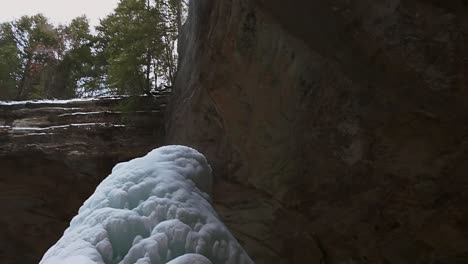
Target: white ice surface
x,y
191,259
153,209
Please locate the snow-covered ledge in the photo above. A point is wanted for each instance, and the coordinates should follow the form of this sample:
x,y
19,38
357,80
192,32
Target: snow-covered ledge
x,y
153,209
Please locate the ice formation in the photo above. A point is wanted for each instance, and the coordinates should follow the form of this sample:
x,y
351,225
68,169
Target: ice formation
x,y
153,209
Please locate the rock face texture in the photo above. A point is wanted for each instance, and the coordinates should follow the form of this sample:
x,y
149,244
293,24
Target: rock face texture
x,y
52,157
337,129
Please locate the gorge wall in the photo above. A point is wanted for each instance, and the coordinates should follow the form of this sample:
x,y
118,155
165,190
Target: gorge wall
x,y
53,154
336,129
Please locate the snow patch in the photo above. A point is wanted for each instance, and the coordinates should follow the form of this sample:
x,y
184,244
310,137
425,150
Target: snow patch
x,y
35,134
104,112
65,126
56,101
68,101
89,113
153,209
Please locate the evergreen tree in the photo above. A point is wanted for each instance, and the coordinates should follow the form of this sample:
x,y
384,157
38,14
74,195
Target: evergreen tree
x,y
9,62
138,41
133,52
78,73
37,42
38,60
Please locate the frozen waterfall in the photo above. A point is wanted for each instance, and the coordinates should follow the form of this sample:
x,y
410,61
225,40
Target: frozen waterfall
x,y
153,209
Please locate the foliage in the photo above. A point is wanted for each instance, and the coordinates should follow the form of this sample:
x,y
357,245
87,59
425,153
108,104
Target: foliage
x,y
138,41
39,60
9,62
37,44
78,63
133,52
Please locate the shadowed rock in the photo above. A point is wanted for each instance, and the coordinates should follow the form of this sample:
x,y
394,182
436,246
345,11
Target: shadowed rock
x,y
53,154
336,129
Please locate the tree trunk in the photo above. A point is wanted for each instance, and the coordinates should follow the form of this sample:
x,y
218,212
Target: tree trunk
x,y
148,58
179,16
22,85
156,74
148,70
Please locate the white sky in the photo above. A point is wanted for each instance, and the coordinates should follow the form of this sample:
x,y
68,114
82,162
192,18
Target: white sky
x,y
58,11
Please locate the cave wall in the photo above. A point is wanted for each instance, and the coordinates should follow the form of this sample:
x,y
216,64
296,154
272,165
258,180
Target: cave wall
x,y
336,129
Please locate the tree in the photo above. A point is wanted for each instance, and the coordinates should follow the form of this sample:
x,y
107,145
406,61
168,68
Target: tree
x,y
39,60
138,41
170,25
78,73
9,62
127,40
133,52
37,43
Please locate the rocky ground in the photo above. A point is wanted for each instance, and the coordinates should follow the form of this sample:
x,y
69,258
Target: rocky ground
x,y
52,156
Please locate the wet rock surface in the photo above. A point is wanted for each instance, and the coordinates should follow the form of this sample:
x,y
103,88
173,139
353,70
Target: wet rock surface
x,y
337,130
54,154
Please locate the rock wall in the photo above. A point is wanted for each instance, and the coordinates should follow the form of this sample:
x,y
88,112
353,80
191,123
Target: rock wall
x,y
337,129
53,154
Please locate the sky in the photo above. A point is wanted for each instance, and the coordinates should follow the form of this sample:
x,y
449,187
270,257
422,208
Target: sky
x,y
58,11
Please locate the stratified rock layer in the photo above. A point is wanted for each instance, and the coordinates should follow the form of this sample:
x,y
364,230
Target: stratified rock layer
x,y
52,157
336,129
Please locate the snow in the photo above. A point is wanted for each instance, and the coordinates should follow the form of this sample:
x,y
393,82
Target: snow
x,y
68,101
74,100
35,134
55,101
104,112
65,126
89,113
153,209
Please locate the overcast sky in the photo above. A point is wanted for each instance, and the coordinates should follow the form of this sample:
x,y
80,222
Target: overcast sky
x,y
58,11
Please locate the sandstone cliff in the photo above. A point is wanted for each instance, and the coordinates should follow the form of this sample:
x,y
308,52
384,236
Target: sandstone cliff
x,y
53,155
337,129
